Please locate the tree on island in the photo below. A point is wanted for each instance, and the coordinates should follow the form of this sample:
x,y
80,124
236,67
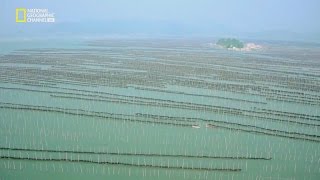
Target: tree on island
x,y
230,43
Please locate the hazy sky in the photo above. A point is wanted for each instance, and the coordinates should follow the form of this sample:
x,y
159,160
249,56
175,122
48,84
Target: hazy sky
x,y
300,16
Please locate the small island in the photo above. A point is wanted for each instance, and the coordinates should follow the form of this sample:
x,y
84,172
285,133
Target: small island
x,y
230,43
236,45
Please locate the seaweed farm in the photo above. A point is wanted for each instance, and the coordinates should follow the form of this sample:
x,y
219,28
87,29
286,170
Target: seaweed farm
x,y
159,109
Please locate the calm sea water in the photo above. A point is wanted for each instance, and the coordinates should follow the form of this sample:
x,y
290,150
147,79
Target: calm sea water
x,y
47,130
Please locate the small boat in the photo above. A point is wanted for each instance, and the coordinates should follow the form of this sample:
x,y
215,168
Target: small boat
x,y
195,126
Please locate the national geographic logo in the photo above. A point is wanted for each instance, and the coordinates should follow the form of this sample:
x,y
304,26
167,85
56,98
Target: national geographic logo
x,y
24,15
21,15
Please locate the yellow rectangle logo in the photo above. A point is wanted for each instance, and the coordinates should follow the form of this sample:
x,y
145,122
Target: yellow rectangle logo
x,y
24,15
